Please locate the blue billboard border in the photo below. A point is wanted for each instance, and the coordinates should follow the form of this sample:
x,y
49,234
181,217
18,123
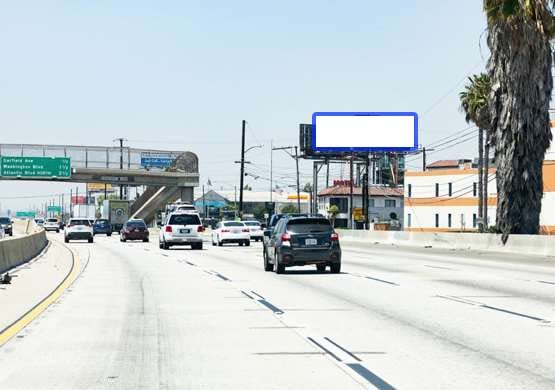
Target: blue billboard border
x,y
356,149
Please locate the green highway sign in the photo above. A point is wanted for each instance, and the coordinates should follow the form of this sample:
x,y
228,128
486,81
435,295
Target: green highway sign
x,y
25,214
35,167
54,209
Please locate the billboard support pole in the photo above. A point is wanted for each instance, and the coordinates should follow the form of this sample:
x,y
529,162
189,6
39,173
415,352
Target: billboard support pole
x,y
298,183
314,208
351,220
365,193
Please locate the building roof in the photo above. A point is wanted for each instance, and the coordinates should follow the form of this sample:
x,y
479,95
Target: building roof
x,y
357,191
446,164
263,196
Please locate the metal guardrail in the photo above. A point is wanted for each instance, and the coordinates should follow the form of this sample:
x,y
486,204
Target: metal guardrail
x,y
98,156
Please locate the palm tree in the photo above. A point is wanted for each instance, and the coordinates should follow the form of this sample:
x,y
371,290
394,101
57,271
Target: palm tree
x,y
519,34
474,102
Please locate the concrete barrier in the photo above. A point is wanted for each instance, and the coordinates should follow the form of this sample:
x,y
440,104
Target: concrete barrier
x,y
17,250
524,244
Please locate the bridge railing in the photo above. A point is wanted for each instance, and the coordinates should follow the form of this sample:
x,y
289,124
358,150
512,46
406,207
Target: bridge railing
x,y
111,157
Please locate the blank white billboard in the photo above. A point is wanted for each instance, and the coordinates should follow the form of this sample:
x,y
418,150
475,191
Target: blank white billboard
x,y
364,131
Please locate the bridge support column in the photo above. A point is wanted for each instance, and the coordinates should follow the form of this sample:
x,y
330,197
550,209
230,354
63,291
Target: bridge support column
x,y
186,194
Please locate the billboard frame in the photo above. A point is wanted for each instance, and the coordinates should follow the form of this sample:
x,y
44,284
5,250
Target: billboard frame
x,y
365,149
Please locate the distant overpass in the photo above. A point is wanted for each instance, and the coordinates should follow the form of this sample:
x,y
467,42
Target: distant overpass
x,y
113,165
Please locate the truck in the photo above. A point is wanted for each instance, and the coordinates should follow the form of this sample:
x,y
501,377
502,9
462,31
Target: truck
x,y
86,211
117,212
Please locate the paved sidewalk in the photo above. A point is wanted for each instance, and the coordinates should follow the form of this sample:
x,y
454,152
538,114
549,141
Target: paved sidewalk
x,y
32,282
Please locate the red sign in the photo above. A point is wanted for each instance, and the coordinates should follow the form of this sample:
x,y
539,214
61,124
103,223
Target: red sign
x,y
78,200
341,183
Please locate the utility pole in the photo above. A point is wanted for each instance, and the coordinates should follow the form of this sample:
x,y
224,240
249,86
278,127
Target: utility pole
x,y
120,162
241,181
271,171
296,157
203,202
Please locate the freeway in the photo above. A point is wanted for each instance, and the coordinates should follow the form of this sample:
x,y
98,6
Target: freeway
x,y
138,317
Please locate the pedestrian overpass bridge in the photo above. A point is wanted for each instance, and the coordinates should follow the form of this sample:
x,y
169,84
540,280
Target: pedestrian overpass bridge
x,y
168,174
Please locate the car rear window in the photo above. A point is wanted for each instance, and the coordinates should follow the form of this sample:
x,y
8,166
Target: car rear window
x,y
84,222
309,225
234,224
136,224
185,219
101,221
4,220
252,223
52,220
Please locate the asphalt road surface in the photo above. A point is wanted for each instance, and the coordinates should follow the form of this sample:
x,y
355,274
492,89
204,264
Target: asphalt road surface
x,y
142,318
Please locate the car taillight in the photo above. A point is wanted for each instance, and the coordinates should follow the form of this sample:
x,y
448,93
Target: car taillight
x,y
334,237
285,237
225,230
246,230
200,229
168,229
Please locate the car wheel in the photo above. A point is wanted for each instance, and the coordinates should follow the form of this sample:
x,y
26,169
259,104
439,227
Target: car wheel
x,y
160,245
213,242
320,267
240,243
197,246
278,268
335,268
91,240
267,265
57,231
66,240
145,240
220,243
123,238
247,243
165,245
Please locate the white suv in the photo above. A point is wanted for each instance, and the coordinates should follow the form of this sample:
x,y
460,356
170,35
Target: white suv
x,y
181,228
52,224
78,229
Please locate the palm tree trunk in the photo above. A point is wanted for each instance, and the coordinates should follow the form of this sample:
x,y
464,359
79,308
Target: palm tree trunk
x,y
520,71
486,179
480,177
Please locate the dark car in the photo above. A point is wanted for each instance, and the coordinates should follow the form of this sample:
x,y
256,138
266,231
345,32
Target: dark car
x,y
102,226
299,241
6,224
275,219
134,229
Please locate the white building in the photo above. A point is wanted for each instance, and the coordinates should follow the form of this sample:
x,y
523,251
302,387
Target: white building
x,y
445,197
382,203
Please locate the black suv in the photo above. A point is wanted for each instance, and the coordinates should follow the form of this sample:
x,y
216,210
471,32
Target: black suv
x,y
6,223
298,241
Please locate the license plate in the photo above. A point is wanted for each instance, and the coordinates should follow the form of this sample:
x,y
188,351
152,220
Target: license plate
x,y
185,231
235,231
311,241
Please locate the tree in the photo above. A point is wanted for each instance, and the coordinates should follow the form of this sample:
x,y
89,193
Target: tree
x,y
259,212
307,188
474,102
289,208
519,33
333,211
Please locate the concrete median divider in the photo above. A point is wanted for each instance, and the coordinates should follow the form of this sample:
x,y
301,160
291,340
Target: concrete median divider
x,y
523,244
22,248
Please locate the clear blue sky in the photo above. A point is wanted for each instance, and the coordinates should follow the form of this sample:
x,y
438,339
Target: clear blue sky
x,y
183,74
